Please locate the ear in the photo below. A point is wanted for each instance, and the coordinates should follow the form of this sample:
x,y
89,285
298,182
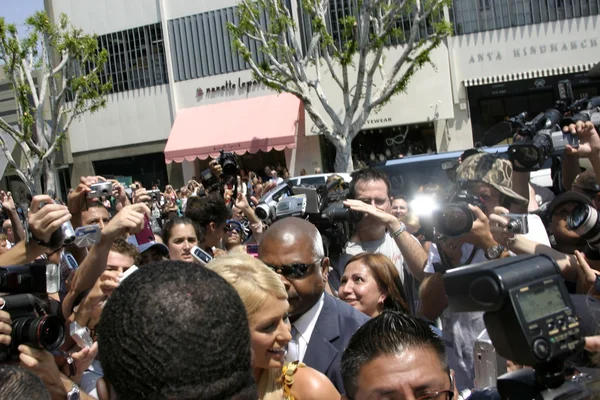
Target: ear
x,y
105,390
212,226
453,375
325,264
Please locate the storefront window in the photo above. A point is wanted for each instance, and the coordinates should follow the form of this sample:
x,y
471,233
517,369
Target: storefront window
x,y
377,145
149,169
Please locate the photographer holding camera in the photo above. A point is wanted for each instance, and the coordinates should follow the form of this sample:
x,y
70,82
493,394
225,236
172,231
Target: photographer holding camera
x,y
568,211
381,232
485,180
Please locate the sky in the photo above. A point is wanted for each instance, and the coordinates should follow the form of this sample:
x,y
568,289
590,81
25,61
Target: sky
x,y
17,11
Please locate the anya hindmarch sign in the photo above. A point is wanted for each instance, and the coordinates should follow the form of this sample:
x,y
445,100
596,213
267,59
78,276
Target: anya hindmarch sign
x,y
535,50
546,46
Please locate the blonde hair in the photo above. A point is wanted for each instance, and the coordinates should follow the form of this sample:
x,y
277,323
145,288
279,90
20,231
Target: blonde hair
x,y
255,283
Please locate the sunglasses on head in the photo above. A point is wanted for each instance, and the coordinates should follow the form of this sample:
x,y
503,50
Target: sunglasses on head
x,y
293,271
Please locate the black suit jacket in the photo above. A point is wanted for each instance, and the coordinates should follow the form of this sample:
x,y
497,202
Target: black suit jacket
x,y
335,326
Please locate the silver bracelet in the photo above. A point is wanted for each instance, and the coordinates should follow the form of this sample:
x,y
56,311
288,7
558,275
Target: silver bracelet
x,y
399,231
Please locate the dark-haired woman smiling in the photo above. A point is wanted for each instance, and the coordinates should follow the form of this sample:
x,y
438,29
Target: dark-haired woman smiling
x,y
371,284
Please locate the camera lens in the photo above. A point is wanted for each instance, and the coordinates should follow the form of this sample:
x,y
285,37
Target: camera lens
x,y
262,212
45,332
514,226
229,168
454,220
578,217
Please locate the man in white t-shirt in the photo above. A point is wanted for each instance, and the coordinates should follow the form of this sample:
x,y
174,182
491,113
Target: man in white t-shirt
x,y
490,179
380,232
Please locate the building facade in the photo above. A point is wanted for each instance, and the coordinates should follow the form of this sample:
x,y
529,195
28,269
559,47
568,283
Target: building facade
x,y
509,55
170,60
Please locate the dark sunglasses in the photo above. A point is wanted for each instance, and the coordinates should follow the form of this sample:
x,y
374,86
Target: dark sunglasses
x,y
229,228
293,271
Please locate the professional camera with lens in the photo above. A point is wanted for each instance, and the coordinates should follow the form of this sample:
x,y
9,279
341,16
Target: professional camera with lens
x,y
228,162
33,323
455,218
322,206
589,111
585,222
544,138
530,319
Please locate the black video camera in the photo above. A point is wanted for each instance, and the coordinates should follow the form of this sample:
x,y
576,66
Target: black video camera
x,y
544,138
322,206
455,218
32,324
228,162
529,317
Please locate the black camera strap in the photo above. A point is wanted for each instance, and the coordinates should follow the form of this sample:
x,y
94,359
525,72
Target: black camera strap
x,y
445,263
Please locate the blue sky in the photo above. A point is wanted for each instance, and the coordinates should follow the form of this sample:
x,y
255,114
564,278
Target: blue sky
x,y
19,10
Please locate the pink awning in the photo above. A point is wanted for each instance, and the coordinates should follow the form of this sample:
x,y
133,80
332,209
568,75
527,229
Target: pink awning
x,y
261,123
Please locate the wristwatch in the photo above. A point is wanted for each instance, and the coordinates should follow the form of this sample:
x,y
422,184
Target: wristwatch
x,y
494,252
74,393
402,228
31,238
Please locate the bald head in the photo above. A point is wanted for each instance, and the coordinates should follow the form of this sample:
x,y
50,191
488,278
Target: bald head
x,y
291,230
293,244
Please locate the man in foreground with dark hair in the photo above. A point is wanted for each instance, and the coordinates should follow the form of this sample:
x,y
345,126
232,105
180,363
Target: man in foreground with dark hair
x,y
18,383
175,330
396,356
211,215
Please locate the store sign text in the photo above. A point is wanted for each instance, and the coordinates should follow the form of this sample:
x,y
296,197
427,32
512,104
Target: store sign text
x,y
229,86
378,121
528,51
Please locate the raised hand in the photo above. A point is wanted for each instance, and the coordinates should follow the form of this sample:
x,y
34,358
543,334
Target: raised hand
x,y
44,221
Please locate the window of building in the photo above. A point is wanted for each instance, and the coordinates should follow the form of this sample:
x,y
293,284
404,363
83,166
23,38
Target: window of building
x,y
340,9
136,58
201,45
471,16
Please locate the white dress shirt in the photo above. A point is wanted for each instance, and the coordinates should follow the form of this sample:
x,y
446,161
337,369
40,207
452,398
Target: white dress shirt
x,y
305,325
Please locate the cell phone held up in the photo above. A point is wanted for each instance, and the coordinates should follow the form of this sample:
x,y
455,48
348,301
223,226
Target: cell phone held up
x,y
200,255
145,235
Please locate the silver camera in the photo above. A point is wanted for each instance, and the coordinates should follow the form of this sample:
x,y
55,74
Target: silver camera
x,y
292,206
63,236
154,194
489,365
517,223
100,189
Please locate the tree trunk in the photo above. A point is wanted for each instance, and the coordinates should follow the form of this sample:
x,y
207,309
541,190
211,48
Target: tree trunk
x,y
343,157
50,179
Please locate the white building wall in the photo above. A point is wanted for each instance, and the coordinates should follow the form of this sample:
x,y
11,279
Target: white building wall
x,y
108,16
182,8
428,96
134,117
507,52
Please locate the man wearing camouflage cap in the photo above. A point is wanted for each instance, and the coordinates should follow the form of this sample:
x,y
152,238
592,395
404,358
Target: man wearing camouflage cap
x,y
488,178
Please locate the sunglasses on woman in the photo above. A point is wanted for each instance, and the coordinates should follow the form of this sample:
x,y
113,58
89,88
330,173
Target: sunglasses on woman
x,y
293,271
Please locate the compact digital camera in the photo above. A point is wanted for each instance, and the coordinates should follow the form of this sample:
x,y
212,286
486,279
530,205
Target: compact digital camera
x,y
100,189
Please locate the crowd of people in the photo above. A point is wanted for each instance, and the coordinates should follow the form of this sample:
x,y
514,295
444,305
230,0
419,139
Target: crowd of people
x,y
269,312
